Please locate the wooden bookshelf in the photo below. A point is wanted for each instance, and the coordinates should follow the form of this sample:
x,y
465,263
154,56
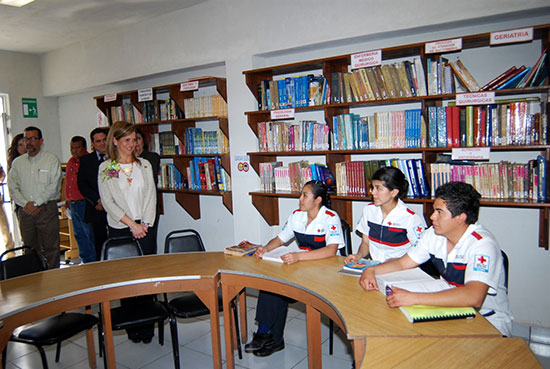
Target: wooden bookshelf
x,y
188,199
267,202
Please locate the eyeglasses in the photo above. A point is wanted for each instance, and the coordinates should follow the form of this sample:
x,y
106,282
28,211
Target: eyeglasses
x,y
31,139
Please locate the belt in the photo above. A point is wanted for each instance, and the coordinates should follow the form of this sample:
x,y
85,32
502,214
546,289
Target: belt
x,y
75,201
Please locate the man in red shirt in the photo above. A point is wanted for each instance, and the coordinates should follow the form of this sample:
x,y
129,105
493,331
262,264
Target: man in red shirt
x,y
82,230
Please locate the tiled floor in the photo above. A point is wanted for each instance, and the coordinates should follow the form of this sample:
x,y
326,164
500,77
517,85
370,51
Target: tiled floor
x,y
196,351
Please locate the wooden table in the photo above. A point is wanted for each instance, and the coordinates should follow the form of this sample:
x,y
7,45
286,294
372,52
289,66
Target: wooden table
x,y
323,290
365,317
447,352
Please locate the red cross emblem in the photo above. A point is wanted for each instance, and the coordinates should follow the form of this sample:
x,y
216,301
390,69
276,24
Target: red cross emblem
x,y
482,260
389,223
419,229
318,231
333,227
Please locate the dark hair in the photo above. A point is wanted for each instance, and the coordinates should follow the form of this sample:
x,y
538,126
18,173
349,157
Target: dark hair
x,y
460,198
80,139
33,128
97,130
12,150
145,143
318,188
393,179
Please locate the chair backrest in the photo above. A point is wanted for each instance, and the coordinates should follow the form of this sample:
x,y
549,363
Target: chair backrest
x,y
346,233
120,247
506,266
185,240
27,263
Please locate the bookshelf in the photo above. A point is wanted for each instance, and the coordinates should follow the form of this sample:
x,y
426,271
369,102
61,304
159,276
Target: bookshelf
x,y
267,202
174,121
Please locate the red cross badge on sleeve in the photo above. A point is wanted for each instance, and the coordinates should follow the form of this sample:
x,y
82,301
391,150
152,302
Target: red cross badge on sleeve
x,y
481,263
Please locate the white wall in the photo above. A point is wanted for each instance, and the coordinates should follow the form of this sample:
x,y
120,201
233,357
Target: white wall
x,y
245,34
20,76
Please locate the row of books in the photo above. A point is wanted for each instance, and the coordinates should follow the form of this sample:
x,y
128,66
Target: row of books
x,y
275,177
396,129
151,111
354,177
388,81
198,141
504,123
165,143
170,177
207,174
520,77
293,92
293,136
441,79
503,180
205,106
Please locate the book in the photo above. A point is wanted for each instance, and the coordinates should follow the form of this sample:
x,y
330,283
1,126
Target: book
x,y
241,250
422,313
413,280
358,267
275,254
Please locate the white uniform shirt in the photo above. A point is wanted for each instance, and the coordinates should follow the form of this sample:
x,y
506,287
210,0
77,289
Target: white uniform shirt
x,y
393,236
476,257
325,229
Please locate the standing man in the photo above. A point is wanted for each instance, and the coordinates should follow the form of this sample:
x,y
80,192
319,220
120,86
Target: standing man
x,y
466,255
94,213
34,181
82,230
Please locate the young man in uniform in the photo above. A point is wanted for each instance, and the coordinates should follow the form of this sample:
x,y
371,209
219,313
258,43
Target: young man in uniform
x,y
466,255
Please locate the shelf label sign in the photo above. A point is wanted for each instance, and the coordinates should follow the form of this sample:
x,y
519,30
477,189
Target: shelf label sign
x,y
189,86
471,153
109,98
511,36
366,59
145,94
443,46
30,107
475,98
282,114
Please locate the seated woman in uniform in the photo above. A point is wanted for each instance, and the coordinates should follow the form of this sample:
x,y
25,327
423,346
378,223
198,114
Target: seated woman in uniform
x,y
388,227
318,230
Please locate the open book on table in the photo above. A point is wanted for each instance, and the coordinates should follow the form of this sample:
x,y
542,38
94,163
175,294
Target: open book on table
x,y
357,268
275,254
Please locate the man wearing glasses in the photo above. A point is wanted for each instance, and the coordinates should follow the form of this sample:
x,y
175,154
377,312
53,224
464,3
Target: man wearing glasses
x,y
34,181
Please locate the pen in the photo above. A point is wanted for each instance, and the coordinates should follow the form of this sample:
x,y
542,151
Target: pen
x,y
389,291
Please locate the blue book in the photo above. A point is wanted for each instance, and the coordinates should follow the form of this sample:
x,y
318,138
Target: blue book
x,y
421,176
335,133
289,82
432,126
360,265
441,126
513,82
413,177
541,188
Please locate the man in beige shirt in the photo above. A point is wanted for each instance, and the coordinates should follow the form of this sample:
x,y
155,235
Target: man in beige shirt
x,y
34,181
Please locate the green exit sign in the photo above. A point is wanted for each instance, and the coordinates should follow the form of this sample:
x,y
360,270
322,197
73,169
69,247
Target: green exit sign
x,y
30,108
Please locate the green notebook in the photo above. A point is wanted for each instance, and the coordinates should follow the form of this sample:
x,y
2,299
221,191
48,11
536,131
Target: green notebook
x,y
422,313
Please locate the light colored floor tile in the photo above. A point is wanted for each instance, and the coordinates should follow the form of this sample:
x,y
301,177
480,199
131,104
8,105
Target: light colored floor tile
x,y
521,330
341,347
328,362
137,355
189,359
203,344
540,335
71,354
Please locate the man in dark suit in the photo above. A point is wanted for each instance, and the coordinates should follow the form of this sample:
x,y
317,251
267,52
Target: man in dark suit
x,y
87,185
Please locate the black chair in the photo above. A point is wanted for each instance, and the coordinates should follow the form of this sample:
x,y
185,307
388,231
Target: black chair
x,y
506,264
344,251
139,313
52,330
189,305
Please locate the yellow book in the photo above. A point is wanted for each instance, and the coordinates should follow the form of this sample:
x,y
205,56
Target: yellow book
x,y
422,313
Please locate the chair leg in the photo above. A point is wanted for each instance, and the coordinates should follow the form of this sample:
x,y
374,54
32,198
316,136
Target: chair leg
x,y
330,337
161,332
237,330
42,356
175,341
57,351
4,356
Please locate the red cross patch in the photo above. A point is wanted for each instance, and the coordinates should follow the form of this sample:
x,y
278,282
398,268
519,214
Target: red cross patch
x,y
481,263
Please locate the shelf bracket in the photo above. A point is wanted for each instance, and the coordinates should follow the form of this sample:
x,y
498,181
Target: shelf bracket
x,y
543,228
190,202
268,208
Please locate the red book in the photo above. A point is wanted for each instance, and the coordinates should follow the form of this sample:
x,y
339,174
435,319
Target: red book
x,y
490,85
483,124
450,133
512,75
455,122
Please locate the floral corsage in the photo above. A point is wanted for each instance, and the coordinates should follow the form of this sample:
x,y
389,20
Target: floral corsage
x,y
112,170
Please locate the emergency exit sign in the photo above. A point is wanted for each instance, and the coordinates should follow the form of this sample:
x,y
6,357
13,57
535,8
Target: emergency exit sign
x,y
30,108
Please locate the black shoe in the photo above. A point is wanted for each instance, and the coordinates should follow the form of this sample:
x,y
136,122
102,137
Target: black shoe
x,y
269,349
136,339
259,340
147,339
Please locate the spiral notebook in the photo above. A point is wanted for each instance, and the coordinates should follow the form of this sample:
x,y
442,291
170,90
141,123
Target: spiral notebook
x,y
422,313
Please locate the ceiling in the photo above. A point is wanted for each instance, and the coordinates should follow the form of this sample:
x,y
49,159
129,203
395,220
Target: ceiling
x,y
46,25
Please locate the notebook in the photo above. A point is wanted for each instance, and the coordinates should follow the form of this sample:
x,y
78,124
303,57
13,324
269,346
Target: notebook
x,y
413,280
275,254
422,313
357,268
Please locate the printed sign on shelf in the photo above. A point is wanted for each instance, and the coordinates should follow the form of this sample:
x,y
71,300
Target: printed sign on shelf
x,y
471,153
443,46
109,98
282,114
189,86
511,36
366,59
475,98
145,94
